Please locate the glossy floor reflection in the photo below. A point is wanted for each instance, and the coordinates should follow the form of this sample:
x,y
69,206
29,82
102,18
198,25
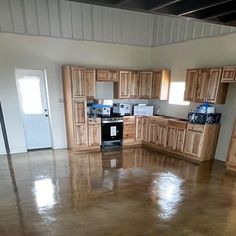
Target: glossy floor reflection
x,y
118,192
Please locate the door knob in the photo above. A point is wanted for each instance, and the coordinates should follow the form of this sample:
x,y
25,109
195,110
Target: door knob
x,y
46,115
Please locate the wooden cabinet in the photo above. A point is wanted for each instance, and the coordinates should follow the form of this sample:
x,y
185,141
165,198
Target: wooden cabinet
x,y
231,158
176,135
129,129
81,136
145,85
193,142
107,75
202,85
228,74
90,80
78,82
124,85
162,135
153,133
190,84
138,128
94,132
134,84
161,84
127,86
145,125
217,91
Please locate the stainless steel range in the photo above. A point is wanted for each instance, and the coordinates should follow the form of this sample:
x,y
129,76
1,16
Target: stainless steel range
x,y
112,131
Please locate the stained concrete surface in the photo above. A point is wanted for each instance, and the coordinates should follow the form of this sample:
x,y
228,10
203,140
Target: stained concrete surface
x,y
118,192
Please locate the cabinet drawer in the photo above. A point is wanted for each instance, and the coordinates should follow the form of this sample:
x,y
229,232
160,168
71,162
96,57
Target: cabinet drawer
x,y
194,127
129,128
93,121
129,119
177,124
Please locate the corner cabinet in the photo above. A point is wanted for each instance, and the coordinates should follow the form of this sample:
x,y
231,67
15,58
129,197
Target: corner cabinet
x,y
78,84
205,85
229,74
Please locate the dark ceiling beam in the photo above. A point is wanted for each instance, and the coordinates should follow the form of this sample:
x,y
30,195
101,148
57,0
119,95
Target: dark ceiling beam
x,y
200,7
220,14
157,5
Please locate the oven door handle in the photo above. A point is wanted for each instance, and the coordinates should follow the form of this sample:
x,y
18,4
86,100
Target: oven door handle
x,y
112,121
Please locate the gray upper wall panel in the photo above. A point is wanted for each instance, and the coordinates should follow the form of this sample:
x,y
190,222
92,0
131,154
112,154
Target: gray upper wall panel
x,y
79,21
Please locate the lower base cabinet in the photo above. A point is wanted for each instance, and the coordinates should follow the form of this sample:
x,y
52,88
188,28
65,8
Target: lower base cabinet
x,y
94,132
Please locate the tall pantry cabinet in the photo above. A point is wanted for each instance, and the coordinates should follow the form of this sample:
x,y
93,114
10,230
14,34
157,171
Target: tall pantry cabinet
x,y
78,85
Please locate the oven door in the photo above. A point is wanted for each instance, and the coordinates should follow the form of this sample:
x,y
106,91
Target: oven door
x,y
112,130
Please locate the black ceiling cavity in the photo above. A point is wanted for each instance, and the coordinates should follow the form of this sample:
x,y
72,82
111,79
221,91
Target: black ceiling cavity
x,y
214,11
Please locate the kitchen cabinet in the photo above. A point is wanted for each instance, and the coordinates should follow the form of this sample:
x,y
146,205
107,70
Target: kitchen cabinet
x,y
129,129
145,125
176,135
81,137
94,132
145,85
138,128
127,86
161,84
190,84
153,132
229,74
231,158
202,85
78,82
107,75
192,144
162,135
90,80
216,91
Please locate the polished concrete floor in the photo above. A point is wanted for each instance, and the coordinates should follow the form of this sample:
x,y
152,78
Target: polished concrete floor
x,y
119,192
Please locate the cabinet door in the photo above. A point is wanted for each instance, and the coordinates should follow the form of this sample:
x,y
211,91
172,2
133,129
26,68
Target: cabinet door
x,y
162,135
202,85
229,74
94,133
134,82
138,128
190,84
79,111
180,140
90,78
145,85
216,92
102,75
78,82
145,129
124,84
192,145
129,133
231,158
161,84
153,133
81,137
113,75
171,141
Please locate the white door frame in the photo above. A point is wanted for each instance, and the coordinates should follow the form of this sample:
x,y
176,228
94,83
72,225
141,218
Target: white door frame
x,y
25,70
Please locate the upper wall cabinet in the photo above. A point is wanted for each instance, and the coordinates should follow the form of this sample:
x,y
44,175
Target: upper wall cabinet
x,y
204,85
90,83
190,84
229,74
161,84
145,84
78,82
128,85
107,75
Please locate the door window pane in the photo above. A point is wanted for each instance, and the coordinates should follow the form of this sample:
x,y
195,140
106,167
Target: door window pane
x,y
30,94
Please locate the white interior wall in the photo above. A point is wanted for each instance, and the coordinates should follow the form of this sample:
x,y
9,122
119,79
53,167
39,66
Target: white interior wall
x,y
218,51
29,52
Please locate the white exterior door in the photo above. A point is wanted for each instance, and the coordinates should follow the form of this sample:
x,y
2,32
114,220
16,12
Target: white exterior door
x,y
34,107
